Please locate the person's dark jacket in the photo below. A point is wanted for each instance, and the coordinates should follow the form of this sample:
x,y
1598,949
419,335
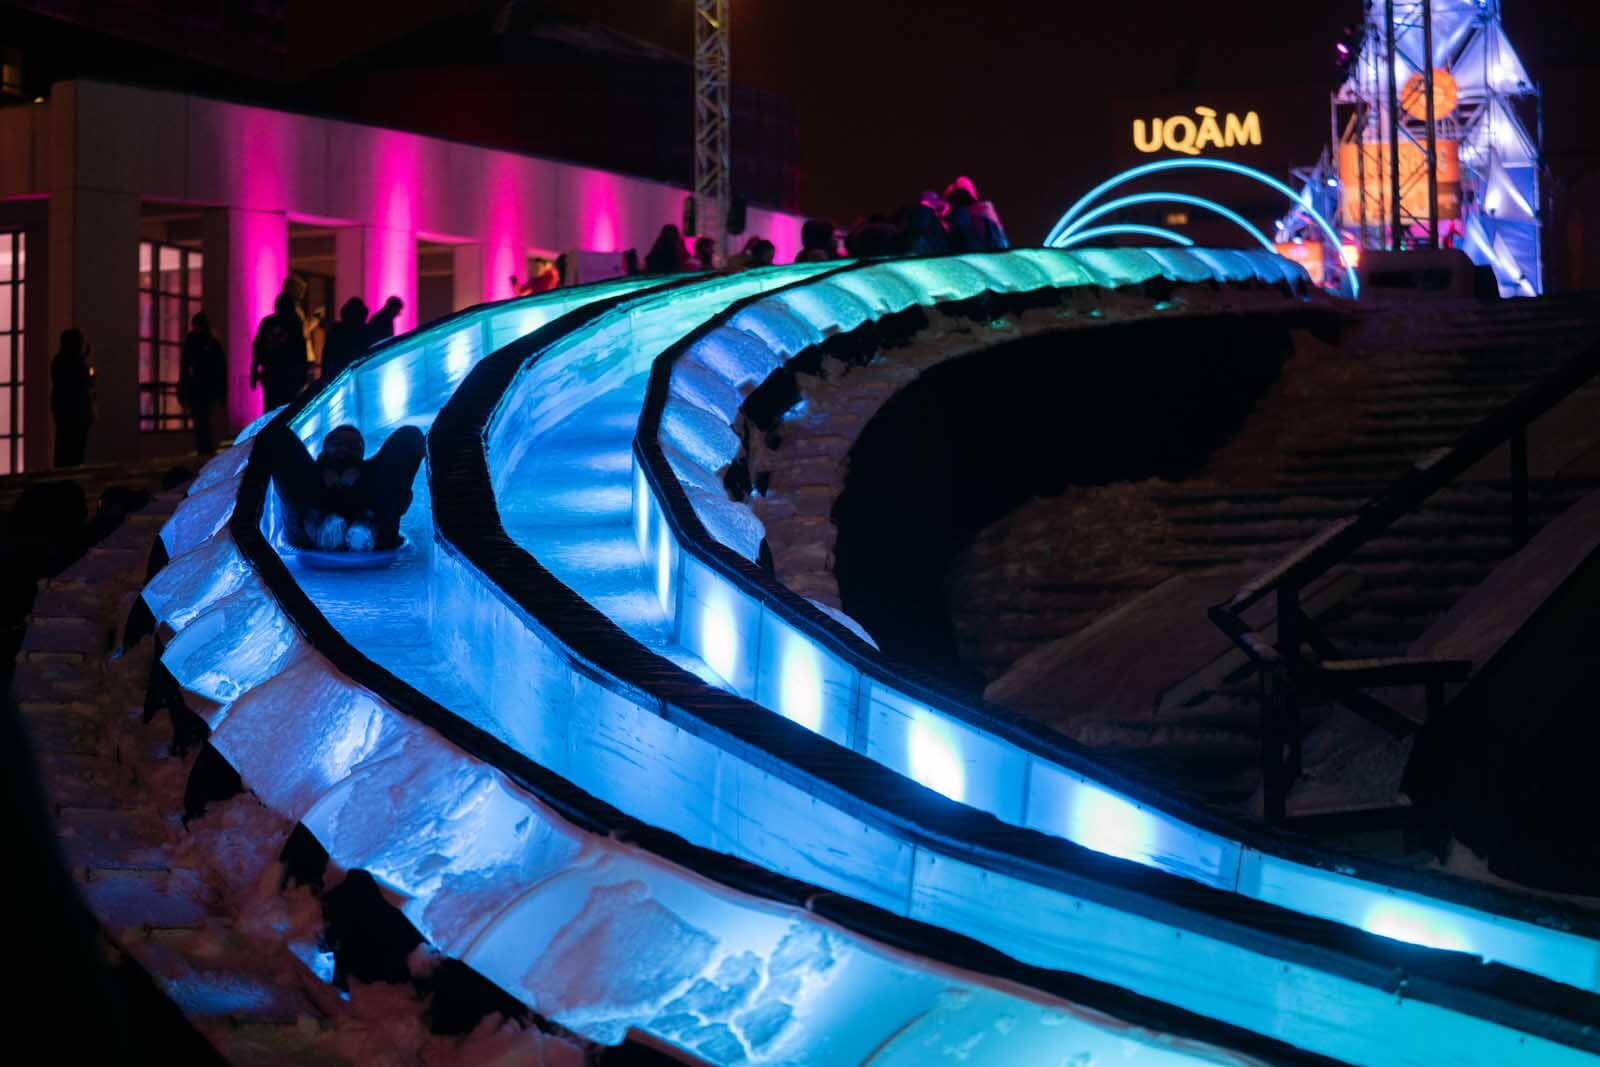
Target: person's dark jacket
x,y
278,359
348,339
976,228
71,388
381,326
922,232
202,371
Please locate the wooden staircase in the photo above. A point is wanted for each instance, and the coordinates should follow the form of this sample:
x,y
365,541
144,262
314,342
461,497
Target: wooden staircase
x,y
1028,613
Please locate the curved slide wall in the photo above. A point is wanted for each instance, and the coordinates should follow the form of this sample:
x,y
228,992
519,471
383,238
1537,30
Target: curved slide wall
x,y
453,839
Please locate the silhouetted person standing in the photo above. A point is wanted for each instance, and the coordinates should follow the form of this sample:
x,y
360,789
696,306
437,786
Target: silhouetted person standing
x,y
202,380
974,224
817,243
667,255
347,338
381,326
705,253
72,397
278,361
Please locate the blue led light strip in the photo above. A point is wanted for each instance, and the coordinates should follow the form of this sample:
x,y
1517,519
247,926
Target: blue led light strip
x,y
931,879
1101,210
1127,229
1162,165
947,747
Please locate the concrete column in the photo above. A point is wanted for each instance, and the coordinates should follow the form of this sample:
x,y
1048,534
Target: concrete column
x,y
247,257
499,257
376,263
94,285
467,274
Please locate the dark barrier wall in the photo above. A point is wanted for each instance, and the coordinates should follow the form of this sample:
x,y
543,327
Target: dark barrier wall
x,y
975,438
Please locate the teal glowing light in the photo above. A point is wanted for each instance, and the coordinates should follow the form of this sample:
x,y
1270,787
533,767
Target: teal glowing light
x,y
1132,229
719,639
458,353
1416,924
1107,823
800,687
1102,210
1162,165
935,758
395,390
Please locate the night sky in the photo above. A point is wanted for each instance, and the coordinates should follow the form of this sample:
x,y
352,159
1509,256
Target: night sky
x,y
1032,98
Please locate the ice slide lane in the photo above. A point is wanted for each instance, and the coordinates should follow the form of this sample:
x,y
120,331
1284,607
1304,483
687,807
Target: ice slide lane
x,y
597,921
580,533
386,393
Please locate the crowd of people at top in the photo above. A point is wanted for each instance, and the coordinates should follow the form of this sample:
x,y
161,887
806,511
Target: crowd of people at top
x,y
284,354
937,224
283,359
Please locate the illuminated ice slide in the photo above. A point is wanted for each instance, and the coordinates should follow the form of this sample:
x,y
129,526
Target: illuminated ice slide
x,y
529,899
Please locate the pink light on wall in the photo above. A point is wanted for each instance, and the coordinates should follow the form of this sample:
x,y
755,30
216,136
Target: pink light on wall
x,y
263,157
782,230
391,248
258,260
599,228
504,250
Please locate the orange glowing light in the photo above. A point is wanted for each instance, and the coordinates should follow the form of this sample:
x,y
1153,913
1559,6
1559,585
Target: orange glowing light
x,y
1371,161
1445,95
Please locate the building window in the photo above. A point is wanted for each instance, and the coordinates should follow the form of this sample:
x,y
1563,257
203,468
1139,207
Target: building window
x,y
13,264
11,72
169,295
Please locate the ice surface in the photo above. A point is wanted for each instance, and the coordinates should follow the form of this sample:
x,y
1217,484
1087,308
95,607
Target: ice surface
x,y
237,643
691,472
738,358
200,515
360,770
728,523
777,326
701,387
190,583
1120,266
256,425
225,466
708,439
844,620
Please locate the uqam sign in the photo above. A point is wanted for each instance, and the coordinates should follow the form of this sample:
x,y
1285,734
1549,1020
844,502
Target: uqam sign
x,y
1192,136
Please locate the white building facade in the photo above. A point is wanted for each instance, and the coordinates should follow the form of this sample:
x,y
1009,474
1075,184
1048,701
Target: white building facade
x,y
124,210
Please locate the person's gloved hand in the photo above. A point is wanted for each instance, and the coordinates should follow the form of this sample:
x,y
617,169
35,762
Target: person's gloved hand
x,y
360,538
331,536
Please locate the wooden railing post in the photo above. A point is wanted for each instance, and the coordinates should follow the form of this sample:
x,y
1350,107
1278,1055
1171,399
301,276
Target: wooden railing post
x,y
1519,486
1280,728
1274,788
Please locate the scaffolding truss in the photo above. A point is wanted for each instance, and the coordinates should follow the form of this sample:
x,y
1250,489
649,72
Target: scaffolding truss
x,y
1467,179
712,122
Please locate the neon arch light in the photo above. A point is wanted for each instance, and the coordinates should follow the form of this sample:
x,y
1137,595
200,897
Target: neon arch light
x,y
1162,165
1127,228
1067,237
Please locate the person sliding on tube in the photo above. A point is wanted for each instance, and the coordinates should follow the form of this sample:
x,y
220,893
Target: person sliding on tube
x,y
341,501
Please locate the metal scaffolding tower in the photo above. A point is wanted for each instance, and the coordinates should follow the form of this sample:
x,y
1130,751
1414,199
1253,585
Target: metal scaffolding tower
x,y
1430,144
712,124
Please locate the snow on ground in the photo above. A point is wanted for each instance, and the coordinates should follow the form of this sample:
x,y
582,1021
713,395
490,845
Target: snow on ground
x,y
204,908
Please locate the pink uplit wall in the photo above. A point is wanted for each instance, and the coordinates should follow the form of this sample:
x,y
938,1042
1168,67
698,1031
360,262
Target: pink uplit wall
x,y
391,245
597,213
782,230
504,246
252,169
256,262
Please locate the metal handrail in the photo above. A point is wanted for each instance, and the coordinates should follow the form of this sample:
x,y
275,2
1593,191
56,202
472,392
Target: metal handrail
x,y
1286,674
